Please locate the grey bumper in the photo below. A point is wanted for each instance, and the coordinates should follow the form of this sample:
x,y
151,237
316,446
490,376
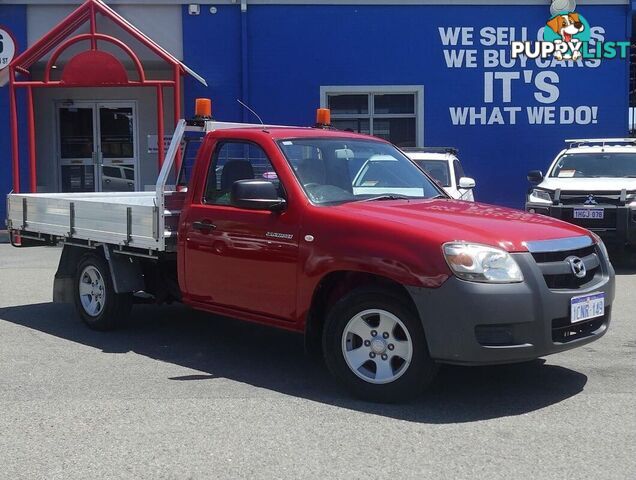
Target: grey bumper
x,y
479,324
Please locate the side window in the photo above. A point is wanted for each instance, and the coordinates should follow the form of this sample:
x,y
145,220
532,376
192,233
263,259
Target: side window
x,y
459,171
233,161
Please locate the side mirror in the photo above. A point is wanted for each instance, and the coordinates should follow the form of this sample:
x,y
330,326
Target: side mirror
x,y
466,183
256,195
535,176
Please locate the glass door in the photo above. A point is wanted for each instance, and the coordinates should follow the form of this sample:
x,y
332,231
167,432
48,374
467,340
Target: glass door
x,y
98,147
117,147
78,153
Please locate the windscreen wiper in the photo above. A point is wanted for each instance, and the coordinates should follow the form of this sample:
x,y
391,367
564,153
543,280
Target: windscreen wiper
x,y
387,196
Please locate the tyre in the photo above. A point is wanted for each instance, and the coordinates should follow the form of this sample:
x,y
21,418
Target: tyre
x,y
374,345
96,301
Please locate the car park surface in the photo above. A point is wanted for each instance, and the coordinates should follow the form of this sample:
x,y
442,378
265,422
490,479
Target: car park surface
x,y
181,394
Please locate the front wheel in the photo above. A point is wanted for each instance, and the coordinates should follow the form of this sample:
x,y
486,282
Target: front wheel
x,y
96,301
375,346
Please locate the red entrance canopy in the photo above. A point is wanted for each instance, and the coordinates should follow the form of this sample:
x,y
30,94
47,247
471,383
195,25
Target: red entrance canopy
x,y
90,68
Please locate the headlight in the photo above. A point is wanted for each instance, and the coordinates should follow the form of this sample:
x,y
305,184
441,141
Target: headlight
x,y
481,263
540,196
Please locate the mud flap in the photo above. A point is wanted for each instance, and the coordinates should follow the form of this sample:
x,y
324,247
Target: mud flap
x,y
125,271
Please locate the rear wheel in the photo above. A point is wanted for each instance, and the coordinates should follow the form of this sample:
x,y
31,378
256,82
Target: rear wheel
x,y
96,301
374,345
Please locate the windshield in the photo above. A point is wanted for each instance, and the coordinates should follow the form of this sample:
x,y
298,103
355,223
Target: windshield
x,y
333,170
438,169
594,165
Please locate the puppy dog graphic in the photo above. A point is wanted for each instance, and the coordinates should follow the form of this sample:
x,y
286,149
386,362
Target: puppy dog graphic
x,y
566,26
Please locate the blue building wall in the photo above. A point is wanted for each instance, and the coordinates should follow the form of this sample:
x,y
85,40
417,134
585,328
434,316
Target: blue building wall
x,y
12,18
293,50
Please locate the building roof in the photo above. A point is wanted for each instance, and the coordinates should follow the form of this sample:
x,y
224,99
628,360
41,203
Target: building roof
x,y
23,62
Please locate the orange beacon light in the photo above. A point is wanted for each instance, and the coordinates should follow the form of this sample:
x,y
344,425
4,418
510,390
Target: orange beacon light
x,y
203,108
323,118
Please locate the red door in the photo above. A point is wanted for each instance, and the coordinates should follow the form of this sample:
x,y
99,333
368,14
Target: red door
x,y
235,258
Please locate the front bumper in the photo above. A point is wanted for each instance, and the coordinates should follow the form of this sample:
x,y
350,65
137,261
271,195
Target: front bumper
x,y
618,227
480,324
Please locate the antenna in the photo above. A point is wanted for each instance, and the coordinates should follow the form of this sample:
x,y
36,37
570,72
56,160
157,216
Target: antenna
x,y
253,112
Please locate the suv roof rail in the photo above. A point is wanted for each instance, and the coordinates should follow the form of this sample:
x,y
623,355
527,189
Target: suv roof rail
x,y
599,141
451,150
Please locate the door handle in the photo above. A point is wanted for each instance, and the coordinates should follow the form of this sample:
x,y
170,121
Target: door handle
x,y
204,226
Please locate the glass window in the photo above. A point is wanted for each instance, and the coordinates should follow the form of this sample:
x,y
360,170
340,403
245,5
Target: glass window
x,y
234,161
112,172
118,178
392,103
438,169
78,178
459,170
129,172
400,131
595,165
116,132
76,132
349,104
391,116
358,125
335,170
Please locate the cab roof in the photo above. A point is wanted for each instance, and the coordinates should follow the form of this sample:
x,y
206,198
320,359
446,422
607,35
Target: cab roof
x,y
283,133
600,145
601,149
429,156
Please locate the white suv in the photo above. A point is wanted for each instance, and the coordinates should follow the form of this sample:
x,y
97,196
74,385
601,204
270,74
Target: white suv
x,y
591,183
442,164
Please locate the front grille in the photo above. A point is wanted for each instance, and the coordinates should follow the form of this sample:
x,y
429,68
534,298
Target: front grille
x,y
563,331
544,257
608,220
602,198
567,280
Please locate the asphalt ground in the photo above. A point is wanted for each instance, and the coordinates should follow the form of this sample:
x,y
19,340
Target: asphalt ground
x,y
179,394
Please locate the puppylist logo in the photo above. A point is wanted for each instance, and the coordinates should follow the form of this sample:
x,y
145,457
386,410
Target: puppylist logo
x,y
566,36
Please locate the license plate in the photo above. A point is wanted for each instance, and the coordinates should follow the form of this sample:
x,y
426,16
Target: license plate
x,y
587,307
591,213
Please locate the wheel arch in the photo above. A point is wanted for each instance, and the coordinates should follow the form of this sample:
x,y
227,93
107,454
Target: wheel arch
x,y
333,286
125,271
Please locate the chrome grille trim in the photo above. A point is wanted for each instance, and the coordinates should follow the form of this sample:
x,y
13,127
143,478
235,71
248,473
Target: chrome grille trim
x,y
559,244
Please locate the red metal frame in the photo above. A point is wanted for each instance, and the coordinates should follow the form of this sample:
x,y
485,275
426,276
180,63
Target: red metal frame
x,y
58,40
